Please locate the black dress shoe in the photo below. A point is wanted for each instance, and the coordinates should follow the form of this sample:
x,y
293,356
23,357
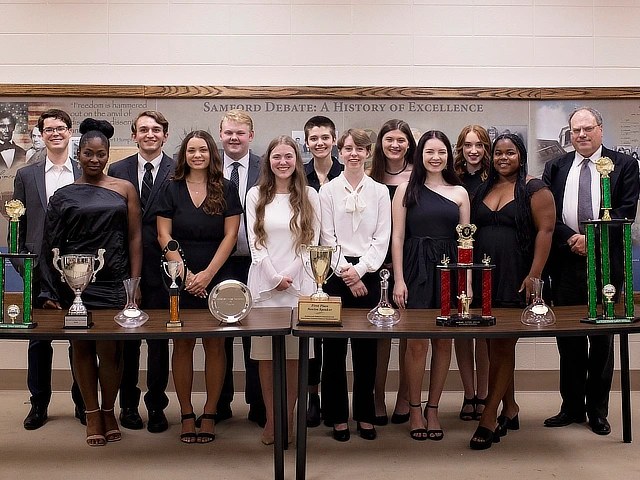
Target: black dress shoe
x,y
81,415
563,419
157,421
341,435
130,418
36,418
505,424
600,426
367,433
380,420
313,412
258,415
399,418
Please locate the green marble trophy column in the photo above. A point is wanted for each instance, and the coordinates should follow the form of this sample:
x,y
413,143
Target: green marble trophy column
x,y
605,166
15,209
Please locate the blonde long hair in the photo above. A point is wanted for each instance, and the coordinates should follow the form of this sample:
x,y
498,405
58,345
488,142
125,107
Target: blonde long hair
x,y
303,217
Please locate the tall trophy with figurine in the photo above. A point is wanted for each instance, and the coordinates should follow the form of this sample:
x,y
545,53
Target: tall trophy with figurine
x,y
12,316
464,317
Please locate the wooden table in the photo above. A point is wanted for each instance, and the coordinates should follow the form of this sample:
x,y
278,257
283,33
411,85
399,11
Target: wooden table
x,y
422,324
273,322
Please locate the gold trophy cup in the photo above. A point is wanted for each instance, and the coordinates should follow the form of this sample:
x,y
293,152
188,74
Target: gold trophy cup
x,y
319,308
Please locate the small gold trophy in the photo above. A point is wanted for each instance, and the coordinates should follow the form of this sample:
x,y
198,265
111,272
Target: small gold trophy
x,y
319,308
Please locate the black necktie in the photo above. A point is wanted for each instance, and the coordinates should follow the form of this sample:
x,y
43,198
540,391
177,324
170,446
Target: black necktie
x,y
235,176
147,185
585,207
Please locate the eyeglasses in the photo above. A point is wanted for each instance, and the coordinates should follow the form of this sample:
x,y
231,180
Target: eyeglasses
x,y
576,131
50,130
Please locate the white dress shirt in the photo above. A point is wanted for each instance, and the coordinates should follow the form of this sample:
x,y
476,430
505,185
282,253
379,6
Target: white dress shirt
x,y
570,199
242,246
57,176
358,219
141,171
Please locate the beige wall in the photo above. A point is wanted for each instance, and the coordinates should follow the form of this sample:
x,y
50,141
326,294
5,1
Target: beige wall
x,y
502,43
322,42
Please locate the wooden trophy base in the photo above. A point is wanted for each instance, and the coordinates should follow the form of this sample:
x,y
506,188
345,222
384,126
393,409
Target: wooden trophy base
x,y
471,320
320,312
78,321
175,324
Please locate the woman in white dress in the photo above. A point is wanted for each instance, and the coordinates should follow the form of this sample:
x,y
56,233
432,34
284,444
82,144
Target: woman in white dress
x,y
282,214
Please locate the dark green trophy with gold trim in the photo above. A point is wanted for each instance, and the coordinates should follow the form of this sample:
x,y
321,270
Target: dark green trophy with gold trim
x,y
605,166
12,315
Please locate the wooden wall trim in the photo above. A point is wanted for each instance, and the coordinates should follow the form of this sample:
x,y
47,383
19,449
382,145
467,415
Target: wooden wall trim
x,y
287,92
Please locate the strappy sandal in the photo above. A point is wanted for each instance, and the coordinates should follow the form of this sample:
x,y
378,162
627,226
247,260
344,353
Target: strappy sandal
x,y
97,439
435,435
207,437
419,434
479,401
483,438
189,437
468,416
113,435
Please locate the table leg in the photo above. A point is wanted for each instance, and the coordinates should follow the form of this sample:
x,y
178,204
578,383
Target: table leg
x,y
625,385
279,375
303,387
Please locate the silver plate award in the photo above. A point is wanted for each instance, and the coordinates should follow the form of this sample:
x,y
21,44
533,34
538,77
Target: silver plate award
x,y
230,301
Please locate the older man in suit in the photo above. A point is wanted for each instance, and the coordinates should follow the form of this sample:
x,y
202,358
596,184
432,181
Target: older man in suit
x,y
241,167
147,171
33,186
586,364
11,155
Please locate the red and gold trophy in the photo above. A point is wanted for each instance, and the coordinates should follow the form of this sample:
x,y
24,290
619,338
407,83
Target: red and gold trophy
x,y
605,166
463,317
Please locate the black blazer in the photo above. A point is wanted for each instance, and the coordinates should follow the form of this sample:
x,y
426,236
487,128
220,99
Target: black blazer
x,y
625,186
151,282
29,187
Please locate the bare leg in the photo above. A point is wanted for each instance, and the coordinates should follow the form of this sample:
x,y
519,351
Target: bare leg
x,y
109,374
265,368
440,363
402,398
502,355
415,361
182,366
464,357
384,352
482,371
86,373
214,371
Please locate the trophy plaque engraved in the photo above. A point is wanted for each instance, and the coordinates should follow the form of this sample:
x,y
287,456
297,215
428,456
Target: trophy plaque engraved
x,y
464,317
230,301
605,166
78,271
22,261
319,308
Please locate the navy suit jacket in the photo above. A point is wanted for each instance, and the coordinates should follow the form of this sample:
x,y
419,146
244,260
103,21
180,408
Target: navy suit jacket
x,y
153,294
625,186
29,187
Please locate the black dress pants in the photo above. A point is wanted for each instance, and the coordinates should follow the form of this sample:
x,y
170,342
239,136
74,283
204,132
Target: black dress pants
x,y
586,363
335,404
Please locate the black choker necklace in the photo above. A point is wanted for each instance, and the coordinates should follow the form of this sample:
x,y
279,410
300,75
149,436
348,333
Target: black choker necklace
x,y
399,171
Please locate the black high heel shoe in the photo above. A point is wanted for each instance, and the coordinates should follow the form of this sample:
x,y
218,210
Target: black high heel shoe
x,y
505,424
341,435
366,433
468,416
479,401
435,435
419,434
483,438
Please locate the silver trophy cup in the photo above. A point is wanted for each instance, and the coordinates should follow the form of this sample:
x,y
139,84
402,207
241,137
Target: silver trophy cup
x,y
78,271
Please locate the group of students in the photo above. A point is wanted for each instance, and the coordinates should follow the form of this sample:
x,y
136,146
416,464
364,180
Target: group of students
x,y
400,214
